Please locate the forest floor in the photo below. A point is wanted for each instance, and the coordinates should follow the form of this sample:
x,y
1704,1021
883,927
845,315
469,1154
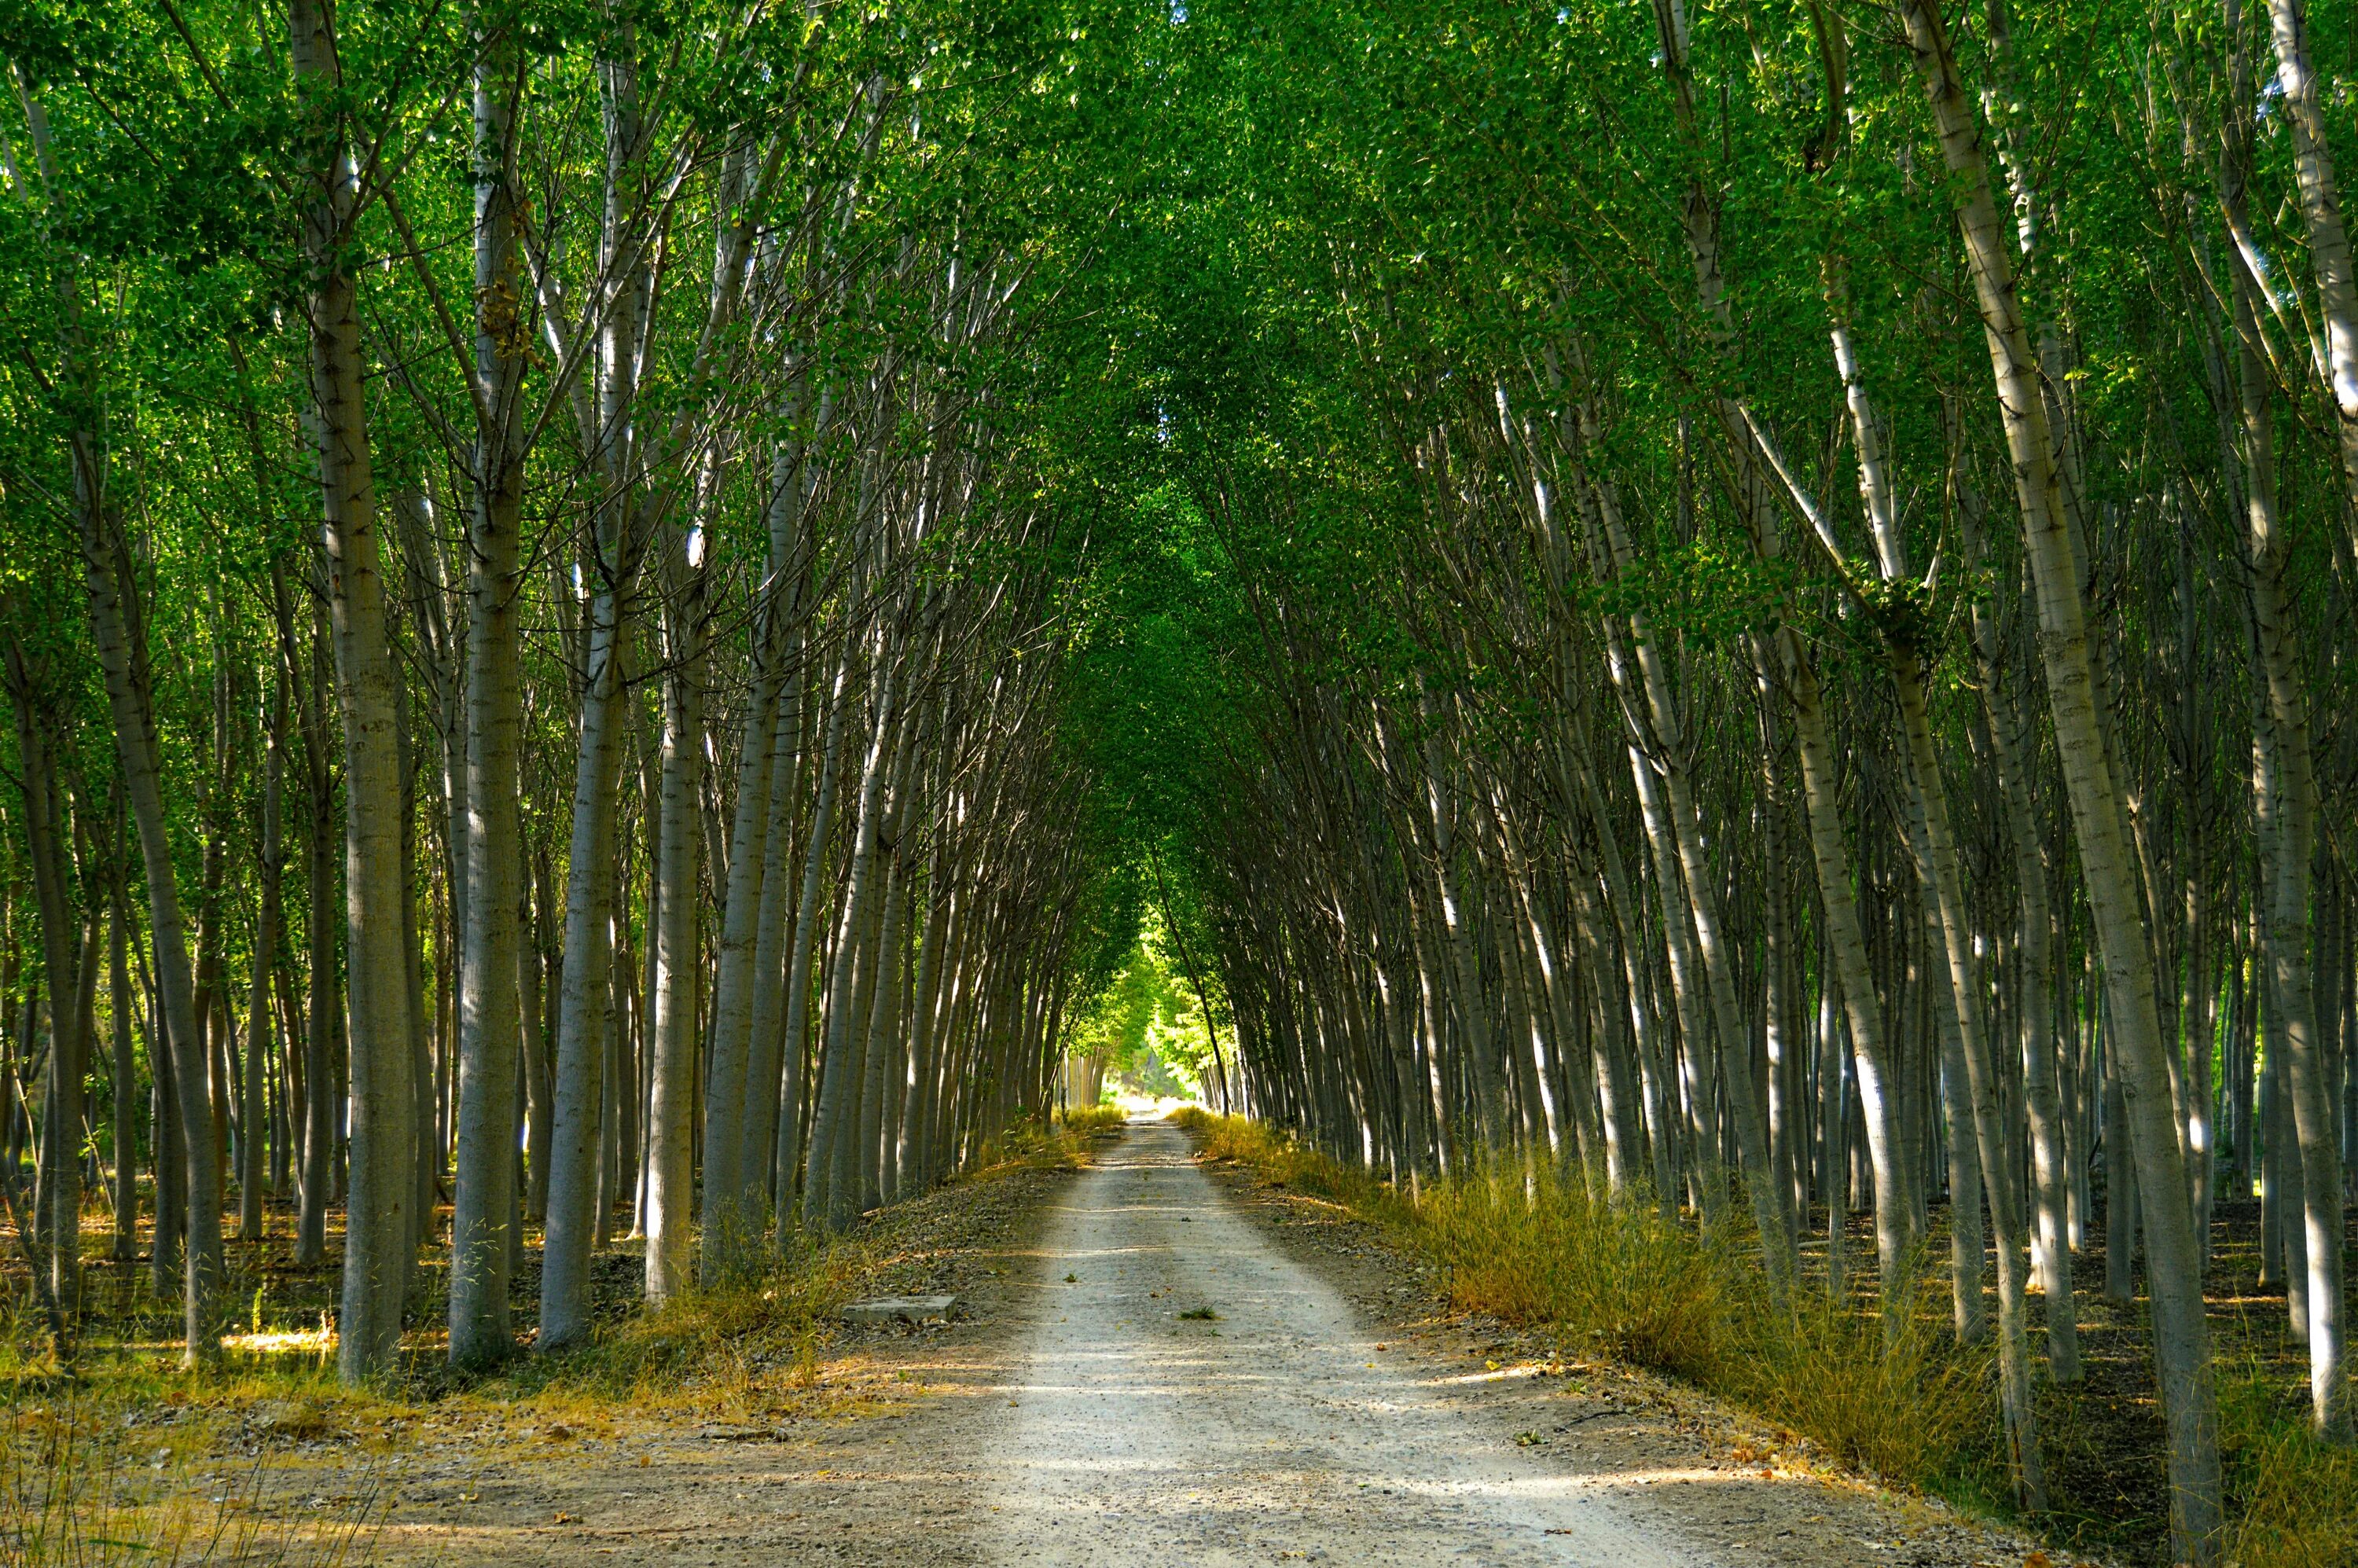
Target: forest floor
x,y
1154,1365
749,1426
1073,1412
2104,1438
1684,1474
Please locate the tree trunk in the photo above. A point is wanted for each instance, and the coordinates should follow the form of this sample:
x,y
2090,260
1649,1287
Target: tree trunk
x,y
829,1200
120,634
56,1218
127,1125
489,1021
272,863
673,1037
2181,1331
2286,812
381,1187
728,1224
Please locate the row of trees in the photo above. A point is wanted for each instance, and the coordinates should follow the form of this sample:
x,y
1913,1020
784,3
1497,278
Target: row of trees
x,y
531,596
1758,604
1787,578
1151,1027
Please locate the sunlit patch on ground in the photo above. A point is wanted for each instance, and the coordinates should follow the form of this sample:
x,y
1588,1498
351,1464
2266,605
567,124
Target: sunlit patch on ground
x,y
319,1341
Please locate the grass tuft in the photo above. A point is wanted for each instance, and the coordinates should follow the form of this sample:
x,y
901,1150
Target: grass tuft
x,y
1915,1408
1088,1121
2293,1499
1278,1160
1620,1280
82,1489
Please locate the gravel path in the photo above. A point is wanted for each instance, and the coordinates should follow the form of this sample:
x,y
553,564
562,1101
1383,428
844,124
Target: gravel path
x,y
1277,1430
1331,1412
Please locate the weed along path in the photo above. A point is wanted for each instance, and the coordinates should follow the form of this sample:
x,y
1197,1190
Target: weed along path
x,y
1185,1388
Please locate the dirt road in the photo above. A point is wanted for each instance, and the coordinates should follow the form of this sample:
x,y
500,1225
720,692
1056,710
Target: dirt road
x,y
1191,1394
1166,1367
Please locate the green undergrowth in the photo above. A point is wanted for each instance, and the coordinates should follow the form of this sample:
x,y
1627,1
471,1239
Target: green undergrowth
x,y
2294,1498
1534,1249
263,1458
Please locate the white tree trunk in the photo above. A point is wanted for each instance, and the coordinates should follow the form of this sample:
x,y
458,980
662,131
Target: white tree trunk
x,y
2181,1331
490,1020
2285,769
380,1189
728,1224
673,1042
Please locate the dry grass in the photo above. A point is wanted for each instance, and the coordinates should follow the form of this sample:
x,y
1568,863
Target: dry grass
x,y
1280,1161
1913,1409
1088,1121
1530,1246
79,1488
1621,1281
1532,1249
263,1459
2294,1498
751,1344
708,1340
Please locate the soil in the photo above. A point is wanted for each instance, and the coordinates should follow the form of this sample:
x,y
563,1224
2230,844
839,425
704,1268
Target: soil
x,y
1330,1408
1708,1483
876,1444
856,1453
1157,1363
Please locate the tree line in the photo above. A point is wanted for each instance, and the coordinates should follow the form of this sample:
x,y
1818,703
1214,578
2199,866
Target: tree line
x,y
1751,603
530,600
1782,580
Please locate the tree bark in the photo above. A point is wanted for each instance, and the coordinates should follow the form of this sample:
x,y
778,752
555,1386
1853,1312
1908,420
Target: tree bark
x,y
380,1190
490,1020
2285,770
2181,1331
271,866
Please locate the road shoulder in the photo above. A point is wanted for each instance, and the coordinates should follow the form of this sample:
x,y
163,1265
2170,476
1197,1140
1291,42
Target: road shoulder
x,y
855,1448
1715,1477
